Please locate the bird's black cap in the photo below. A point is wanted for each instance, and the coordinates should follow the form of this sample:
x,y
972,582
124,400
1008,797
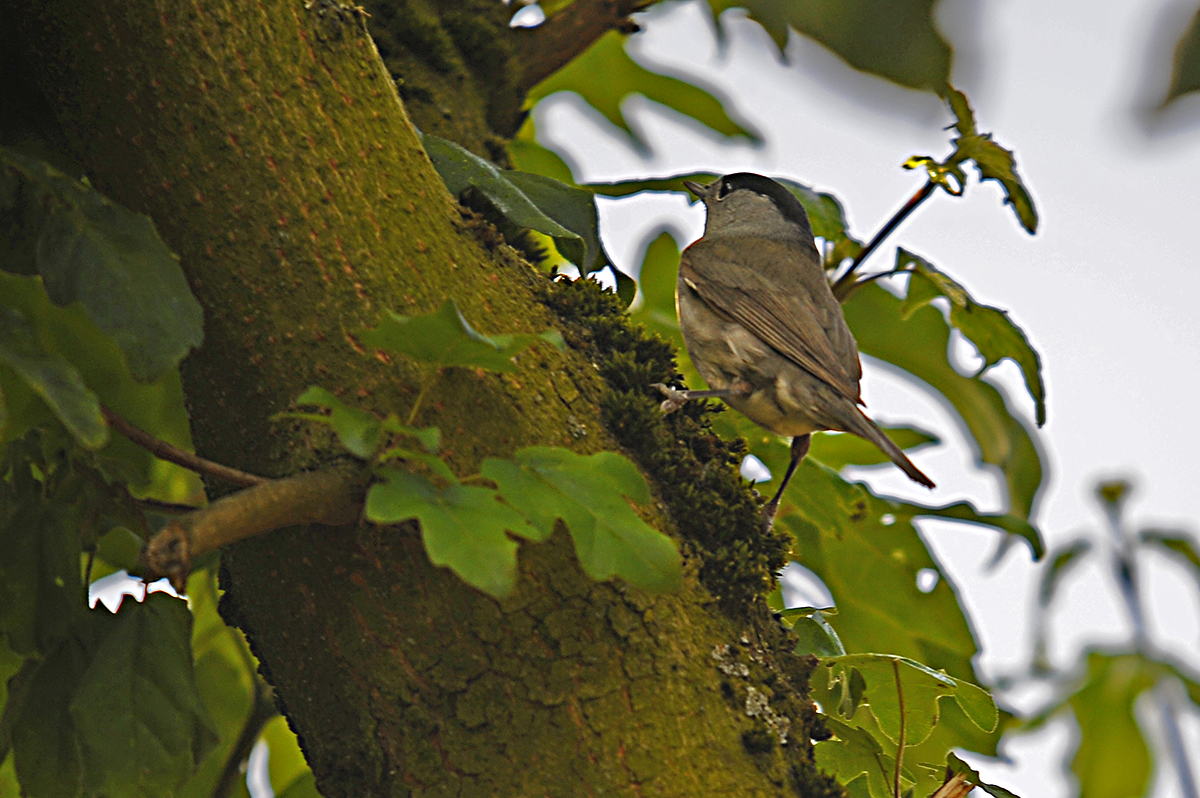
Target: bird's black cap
x,y
787,203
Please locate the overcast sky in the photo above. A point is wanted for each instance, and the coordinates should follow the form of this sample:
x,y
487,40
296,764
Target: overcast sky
x,y
1106,290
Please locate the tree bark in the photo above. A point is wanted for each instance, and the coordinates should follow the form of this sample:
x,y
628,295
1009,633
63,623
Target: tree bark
x,y
269,145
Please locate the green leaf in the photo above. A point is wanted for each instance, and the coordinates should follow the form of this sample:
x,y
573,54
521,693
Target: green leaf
x,y
461,169
970,776
911,705
626,286
990,329
113,709
919,346
1177,542
895,39
604,75
993,161
58,383
966,512
140,724
464,528
589,494
816,636
111,260
853,755
572,207
443,338
288,769
1112,760
303,786
1185,70
357,429
654,306
529,156
839,449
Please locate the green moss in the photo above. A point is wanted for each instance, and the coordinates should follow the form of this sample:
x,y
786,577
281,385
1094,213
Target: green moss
x,y
715,512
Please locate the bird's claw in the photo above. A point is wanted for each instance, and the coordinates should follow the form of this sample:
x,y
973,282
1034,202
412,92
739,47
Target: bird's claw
x,y
675,398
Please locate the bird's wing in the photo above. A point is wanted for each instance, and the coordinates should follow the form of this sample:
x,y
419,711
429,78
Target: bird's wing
x,y
784,304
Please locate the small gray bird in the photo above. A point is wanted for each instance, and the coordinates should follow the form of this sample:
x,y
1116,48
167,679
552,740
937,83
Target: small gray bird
x,y
762,325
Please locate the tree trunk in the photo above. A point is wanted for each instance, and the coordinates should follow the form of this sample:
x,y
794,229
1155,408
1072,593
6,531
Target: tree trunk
x,y
269,145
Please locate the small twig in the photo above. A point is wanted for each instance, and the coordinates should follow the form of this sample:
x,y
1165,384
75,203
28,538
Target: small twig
x,y
852,287
900,739
899,216
166,508
412,414
172,454
332,497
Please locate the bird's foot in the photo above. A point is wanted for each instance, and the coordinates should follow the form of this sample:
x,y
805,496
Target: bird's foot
x,y
675,398
768,516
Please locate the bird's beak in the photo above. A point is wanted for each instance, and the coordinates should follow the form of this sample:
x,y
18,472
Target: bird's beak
x,y
700,191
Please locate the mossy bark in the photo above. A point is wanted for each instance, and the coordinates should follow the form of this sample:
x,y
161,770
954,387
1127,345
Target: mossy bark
x,y
267,142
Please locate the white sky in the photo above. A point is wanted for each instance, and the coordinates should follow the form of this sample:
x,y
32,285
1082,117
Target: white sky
x,y
1106,290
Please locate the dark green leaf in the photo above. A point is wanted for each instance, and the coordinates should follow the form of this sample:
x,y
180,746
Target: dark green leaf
x,y
966,512
1112,760
604,75
919,345
140,725
589,494
572,207
1185,71
896,39
990,329
1178,542
443,338
40,591
58,383
461,169
626,286
529,156
993,161
464,528
838,449
157,408
91,250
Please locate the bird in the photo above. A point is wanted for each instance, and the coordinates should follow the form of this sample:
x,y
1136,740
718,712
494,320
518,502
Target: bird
x,y
762,326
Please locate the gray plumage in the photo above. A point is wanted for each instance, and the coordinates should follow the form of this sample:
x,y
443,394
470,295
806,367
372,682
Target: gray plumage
x,y
761,323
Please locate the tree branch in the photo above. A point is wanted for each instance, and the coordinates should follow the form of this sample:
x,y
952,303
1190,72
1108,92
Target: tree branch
x,y
844,285
547,48
332,497
172,454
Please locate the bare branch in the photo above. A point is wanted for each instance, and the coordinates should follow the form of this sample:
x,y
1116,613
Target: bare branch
x,y
550,46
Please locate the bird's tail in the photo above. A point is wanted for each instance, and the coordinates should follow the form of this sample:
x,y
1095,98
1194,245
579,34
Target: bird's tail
x,y
860,425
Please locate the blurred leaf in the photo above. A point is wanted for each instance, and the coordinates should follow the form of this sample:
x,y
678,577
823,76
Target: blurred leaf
x,y
529,156
966,512
626,286
993,161
53,378
1062,559
825,214
990,329
303,786
357,429
461,169
1177,542
921,686
443,338
1112,760
464,528
655,305
111,260
840,449
895,39
157,407
590,493
289,772
1185,71
919,345
120,548
604,75
574,208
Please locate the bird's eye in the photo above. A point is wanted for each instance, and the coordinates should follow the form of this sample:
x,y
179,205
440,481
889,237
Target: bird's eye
x,y
724,190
